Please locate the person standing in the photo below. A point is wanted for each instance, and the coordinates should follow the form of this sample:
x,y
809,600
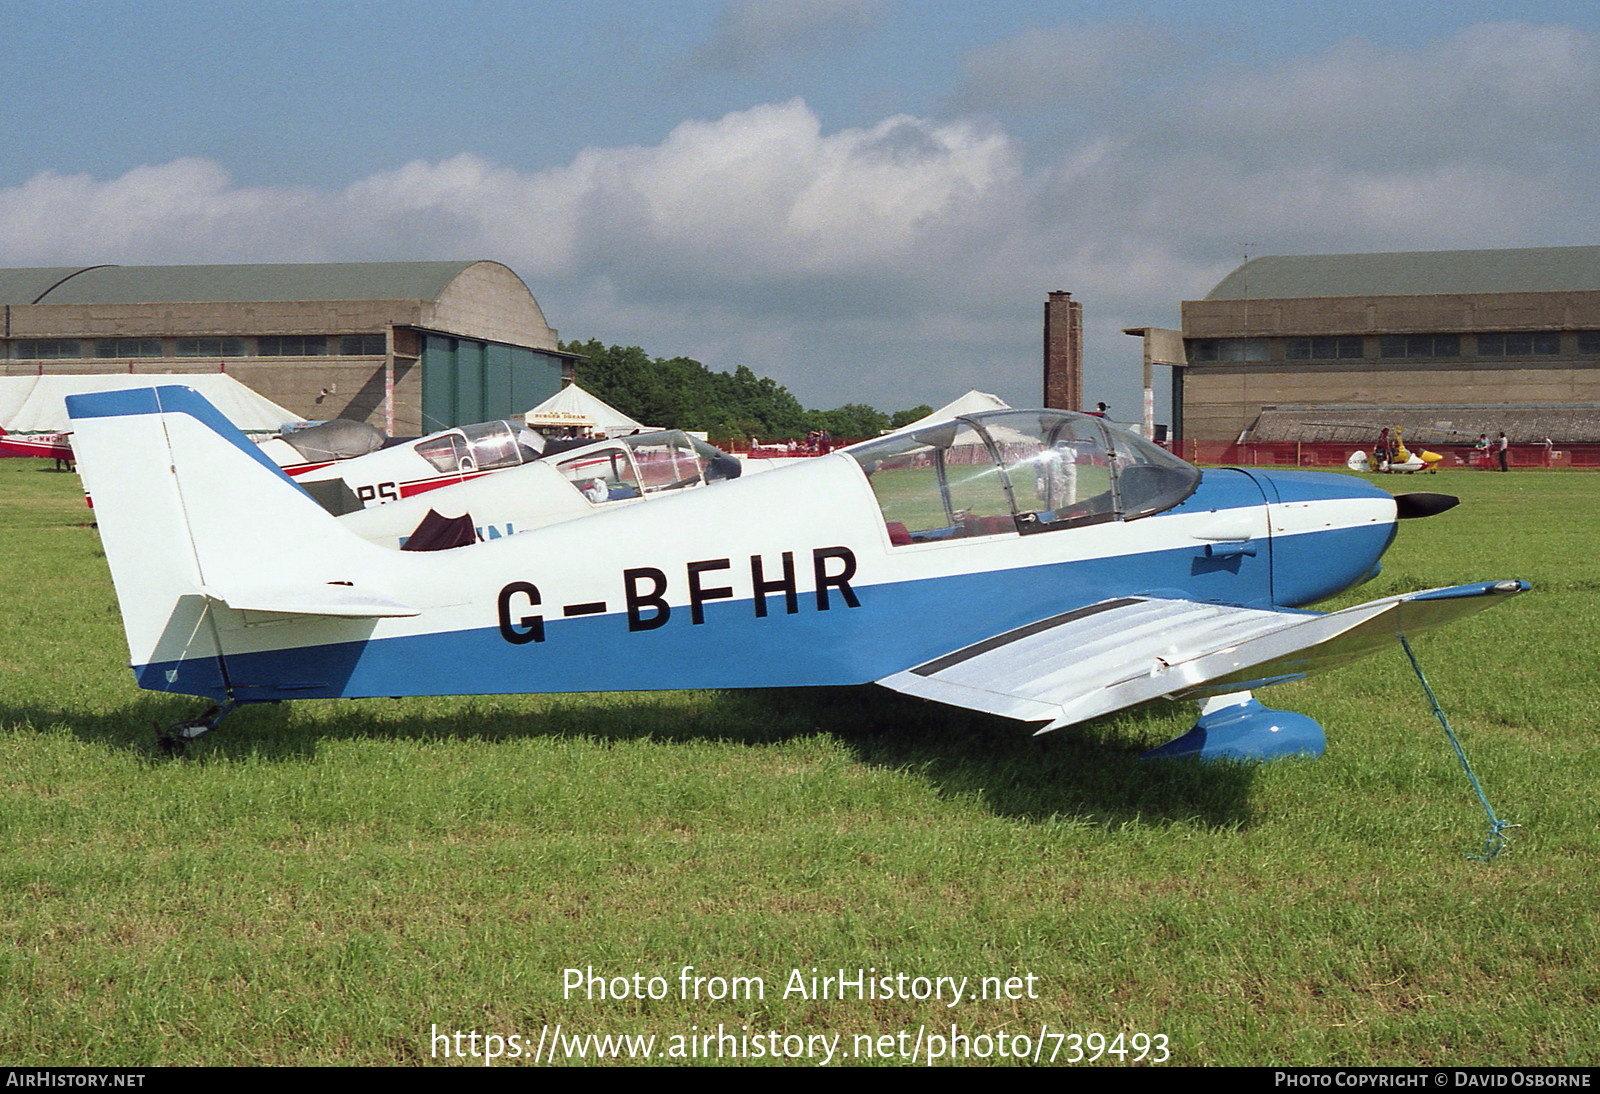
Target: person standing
x,y
1504,446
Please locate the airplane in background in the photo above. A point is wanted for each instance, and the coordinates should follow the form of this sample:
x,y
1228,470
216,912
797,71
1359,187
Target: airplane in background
x,y
379,475
573,482
1390,456
1031,564
39,446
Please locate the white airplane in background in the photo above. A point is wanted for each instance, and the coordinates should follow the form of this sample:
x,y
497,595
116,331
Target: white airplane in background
x,y
574,482
403,469
1031,564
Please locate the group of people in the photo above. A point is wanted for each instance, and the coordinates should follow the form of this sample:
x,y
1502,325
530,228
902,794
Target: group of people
x,y
818,442
1500,448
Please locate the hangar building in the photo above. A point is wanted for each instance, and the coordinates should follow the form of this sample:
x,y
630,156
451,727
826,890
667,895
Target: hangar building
x,y
411,347
1475,340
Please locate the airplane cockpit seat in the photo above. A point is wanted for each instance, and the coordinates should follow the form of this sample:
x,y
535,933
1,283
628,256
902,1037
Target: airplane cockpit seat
x,y
898,536
987,526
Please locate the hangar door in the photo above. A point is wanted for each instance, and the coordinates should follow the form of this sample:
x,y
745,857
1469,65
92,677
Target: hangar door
x,y
466,381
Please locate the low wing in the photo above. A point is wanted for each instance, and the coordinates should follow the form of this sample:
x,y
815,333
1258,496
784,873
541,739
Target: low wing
x,y
1097,659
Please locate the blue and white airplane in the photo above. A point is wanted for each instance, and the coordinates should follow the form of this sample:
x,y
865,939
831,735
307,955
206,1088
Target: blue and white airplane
x,y
1032,564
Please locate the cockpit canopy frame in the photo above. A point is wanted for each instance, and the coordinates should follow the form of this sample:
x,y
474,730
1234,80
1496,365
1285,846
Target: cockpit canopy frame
x,y
1024,471
643,465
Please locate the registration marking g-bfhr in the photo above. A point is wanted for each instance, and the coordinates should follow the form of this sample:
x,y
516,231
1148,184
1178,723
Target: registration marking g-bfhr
x,y
645,591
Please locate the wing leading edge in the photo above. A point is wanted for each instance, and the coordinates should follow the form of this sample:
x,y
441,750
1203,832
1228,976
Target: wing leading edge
x,y
1106,656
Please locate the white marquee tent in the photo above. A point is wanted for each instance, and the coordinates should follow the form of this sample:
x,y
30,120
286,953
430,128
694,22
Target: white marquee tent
x,y
574,407
37,404
973,402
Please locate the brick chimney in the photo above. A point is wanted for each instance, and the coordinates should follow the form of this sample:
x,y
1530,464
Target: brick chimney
x,y
1063,352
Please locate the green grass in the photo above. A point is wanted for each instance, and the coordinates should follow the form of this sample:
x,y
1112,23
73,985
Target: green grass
x,y
325,882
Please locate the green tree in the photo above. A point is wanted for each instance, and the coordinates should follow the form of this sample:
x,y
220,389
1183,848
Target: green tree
x,y
906,417
681,393
851,422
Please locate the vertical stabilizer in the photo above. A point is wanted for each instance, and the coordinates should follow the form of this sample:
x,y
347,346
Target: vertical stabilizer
x,y
198,527
127,469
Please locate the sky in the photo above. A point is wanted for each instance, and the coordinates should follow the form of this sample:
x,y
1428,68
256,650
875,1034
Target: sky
x,y
867,200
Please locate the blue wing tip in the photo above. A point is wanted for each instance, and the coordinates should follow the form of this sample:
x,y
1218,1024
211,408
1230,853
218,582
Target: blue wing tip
x,y
1477,588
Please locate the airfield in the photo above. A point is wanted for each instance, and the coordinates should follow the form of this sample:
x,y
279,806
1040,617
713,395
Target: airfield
x,y
344,882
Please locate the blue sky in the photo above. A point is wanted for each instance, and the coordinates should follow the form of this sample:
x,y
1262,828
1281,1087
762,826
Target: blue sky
x,y
865,199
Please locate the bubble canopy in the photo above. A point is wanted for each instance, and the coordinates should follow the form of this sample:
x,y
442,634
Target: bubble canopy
x,y
1011,471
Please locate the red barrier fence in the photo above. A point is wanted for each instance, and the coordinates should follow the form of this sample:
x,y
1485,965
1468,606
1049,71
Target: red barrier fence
x,y
1323,454
776,451
1309,454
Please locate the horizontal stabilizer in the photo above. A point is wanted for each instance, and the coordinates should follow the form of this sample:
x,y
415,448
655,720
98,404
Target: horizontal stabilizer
x,y
339,601
1107,656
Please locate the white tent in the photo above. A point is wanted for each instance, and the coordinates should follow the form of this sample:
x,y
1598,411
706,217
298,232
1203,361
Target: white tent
x,y
973,402
13,393
37,404
573,406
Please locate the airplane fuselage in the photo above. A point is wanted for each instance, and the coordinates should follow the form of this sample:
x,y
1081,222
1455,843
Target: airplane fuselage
x,y
1038,564
789,578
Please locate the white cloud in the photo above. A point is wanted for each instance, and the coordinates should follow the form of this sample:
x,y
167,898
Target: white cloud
x,y
1051,68
758,221
753,33
758,195
902,261
187,210
1494,91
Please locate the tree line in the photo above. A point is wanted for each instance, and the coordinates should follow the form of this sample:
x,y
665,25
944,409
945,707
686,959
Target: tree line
x,y
681,393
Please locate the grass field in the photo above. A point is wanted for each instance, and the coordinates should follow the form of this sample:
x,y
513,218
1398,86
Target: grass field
x,y
335,882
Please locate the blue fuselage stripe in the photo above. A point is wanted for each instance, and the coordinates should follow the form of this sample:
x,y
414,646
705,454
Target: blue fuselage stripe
x,y
898,625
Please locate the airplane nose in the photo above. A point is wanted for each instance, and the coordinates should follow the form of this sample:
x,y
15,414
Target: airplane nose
x,y
1412,506
1328,532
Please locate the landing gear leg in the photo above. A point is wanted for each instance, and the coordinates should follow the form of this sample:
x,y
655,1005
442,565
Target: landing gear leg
x,y
1238,727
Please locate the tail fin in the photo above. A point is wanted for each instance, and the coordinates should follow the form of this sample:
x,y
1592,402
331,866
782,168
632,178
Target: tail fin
x,y
193,515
